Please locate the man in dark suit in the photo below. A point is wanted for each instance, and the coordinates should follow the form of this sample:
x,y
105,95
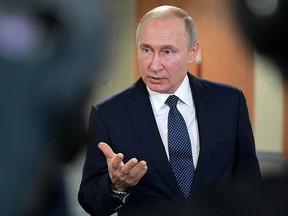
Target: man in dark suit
x,y
127,167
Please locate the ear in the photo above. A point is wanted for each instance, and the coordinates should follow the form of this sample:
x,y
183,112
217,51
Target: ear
x,y
193,51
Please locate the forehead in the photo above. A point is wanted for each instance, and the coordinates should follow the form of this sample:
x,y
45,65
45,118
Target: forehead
x,y
165,29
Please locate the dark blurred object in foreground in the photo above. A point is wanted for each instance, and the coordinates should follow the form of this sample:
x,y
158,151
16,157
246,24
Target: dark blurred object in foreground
x,y
50,55
264,22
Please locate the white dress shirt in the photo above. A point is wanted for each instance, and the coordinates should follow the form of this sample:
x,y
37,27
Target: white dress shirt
x,y
185,106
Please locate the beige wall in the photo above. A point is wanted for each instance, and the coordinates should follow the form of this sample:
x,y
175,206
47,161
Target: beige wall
x,y
268,107
119,70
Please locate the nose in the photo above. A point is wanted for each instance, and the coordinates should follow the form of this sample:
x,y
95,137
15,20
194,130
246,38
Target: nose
x,y
156,63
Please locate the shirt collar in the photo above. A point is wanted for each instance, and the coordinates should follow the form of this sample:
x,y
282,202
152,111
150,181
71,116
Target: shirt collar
x,y
158,99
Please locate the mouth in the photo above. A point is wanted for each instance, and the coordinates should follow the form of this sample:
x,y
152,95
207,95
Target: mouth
x,y
155,80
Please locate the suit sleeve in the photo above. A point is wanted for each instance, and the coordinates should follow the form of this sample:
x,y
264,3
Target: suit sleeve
x,y
94,194
246,165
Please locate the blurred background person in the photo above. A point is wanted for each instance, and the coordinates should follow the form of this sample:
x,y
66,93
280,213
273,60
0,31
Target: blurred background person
x,y
51,55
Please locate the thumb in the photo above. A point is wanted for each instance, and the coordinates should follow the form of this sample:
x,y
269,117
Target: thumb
x,y
106,149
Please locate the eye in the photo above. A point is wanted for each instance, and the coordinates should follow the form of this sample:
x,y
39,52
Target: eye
x,y
168,51
146,50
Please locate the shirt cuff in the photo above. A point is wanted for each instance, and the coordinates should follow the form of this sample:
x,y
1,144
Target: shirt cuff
x,y
122,196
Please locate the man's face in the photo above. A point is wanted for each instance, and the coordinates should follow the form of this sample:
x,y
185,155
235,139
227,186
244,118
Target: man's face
x,y
163,53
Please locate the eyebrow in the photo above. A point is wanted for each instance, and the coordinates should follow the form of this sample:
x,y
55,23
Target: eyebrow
x,y
143,45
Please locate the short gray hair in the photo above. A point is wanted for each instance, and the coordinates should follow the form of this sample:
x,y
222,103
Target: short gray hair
x,y
168,11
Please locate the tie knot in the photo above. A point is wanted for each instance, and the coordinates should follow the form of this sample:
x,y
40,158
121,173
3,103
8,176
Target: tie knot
x,y
172,101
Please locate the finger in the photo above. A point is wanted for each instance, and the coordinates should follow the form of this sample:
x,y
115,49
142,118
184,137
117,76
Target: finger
x,y
138,172
117,162
129,166
106,149
141,171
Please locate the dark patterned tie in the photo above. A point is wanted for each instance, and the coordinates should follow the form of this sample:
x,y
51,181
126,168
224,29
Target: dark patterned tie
x,y
180,152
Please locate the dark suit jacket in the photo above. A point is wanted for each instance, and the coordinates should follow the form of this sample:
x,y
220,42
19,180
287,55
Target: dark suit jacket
x,y
126,122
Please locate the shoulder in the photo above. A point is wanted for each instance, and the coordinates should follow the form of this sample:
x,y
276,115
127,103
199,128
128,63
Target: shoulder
x,y
218,92
213,87
122,97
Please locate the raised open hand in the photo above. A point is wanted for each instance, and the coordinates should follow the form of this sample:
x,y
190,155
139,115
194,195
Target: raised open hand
x,y
122,175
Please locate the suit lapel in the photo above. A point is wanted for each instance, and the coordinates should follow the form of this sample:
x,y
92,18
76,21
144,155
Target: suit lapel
x,y
206,125
143,119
